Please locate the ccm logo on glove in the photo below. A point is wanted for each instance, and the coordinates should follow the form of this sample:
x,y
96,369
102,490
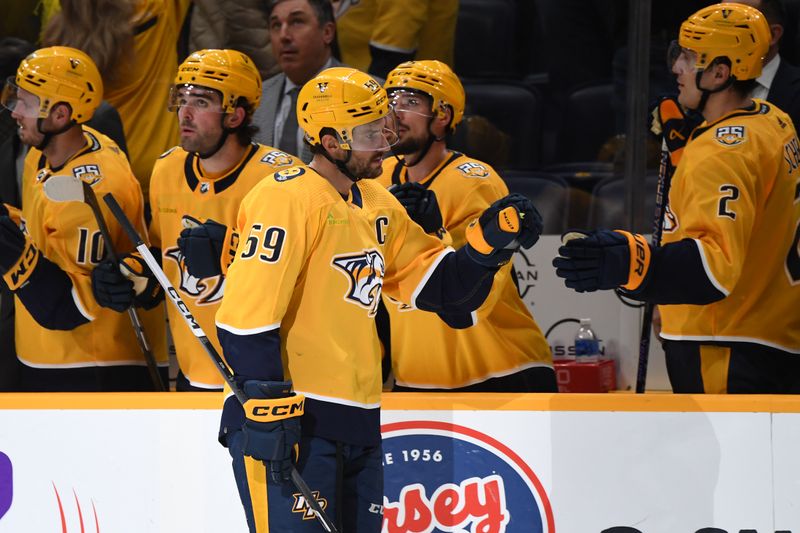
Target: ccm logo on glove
x,y
270,410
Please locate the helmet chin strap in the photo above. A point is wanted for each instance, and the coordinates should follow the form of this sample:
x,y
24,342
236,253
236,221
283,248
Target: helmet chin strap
x,y
708,92
342,165
220,143
48,135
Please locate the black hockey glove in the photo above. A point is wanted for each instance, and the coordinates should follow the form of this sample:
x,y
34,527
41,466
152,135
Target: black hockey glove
x,y
201,245
602,259
145,285
18,254
502,228
271,432
421,205
111,289
668,119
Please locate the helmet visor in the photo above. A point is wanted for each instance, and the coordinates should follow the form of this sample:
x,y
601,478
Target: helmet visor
x,y
680,57
18,100
196,97
376,136
405,101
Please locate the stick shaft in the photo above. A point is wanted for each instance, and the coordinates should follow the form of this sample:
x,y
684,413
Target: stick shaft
x,y
198,332
138,329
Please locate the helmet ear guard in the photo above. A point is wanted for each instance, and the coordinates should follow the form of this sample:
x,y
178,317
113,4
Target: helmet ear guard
x,y
56,75
737,32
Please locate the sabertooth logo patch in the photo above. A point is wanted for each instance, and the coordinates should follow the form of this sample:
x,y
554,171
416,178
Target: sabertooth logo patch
x,y
277,158
204,291
730,135
322,86
365,272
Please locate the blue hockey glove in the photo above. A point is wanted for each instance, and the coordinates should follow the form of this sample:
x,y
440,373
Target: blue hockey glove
x,y
421,205
18,254
502,228
602,259
112,289
201,245
272,427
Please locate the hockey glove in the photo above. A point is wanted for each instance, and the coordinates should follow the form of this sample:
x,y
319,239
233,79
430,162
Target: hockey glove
x,y
502,228
201,245
271,432
420,204
145,285
669,120
18,254
111,289
602,259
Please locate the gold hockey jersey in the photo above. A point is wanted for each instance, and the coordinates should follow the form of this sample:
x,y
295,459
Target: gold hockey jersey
x,y
505,339
313,265
68,235
179,188
736,193
141,89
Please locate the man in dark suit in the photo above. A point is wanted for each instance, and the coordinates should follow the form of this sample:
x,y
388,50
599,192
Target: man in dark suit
x,y
302,33
779,82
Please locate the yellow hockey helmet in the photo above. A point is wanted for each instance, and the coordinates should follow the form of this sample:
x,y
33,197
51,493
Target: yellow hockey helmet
x,y
435,79
230,72
62,74
340,98
736,31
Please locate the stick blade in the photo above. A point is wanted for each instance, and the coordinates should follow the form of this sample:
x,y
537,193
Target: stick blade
x,y
64,189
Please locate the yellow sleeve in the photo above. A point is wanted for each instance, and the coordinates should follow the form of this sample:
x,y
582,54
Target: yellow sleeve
x,y
718,212
275,234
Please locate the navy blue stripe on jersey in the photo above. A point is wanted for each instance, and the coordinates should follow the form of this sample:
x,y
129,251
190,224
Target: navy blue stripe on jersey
x,y
357,200
191,168
677,276
354,425
752,109
188,172
222,184
453,156
458,285
256,357
48,297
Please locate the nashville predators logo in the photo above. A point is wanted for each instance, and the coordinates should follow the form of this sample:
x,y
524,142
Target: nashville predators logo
x,y
205,291
276,158
322,86
730,135
473,170
365,272
301,506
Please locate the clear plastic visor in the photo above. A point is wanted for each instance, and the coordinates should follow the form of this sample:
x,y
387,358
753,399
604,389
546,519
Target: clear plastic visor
x,y
680,57
195,97
378,135
18,100
405,101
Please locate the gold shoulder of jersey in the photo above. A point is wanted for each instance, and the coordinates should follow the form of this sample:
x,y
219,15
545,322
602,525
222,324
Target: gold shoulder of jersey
x,y
168,152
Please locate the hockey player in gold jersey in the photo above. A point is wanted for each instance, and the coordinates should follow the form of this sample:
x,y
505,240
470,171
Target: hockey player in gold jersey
x,y
318,246
503,350
728,273
203,180
66,338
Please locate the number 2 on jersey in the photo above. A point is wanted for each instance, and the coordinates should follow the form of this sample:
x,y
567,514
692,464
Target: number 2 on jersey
x,y
269,242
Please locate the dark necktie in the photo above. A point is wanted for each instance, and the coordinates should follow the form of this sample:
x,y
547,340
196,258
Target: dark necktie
x,y
288,141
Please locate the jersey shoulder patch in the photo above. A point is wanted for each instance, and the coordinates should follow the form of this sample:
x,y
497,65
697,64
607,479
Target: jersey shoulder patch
x,y
730,135
473,169
278,158
288,174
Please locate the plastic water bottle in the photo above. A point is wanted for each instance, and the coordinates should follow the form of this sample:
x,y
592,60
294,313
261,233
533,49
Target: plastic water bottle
x,y
587,347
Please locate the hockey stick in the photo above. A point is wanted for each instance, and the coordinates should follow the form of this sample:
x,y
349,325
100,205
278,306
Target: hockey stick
x,y
72,189
662,190
198,332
